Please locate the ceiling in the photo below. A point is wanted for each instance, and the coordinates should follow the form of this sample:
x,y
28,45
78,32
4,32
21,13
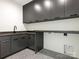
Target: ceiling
x,y
22,2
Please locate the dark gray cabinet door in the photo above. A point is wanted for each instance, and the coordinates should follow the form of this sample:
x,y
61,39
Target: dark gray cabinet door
x,y
18,42
39,41
29,13
31,41
5,46
58,7
71,8
23,40
35,41
15,44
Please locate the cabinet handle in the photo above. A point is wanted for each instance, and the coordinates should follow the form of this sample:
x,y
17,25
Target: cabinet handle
x,y
15,39
5,41
73,15
37,21
23,37
57,18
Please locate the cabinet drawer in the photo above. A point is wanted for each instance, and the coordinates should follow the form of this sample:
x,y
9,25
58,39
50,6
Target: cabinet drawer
x,y
5,38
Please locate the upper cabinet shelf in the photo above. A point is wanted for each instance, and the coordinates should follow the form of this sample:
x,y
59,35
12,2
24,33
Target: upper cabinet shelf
x,y
49,10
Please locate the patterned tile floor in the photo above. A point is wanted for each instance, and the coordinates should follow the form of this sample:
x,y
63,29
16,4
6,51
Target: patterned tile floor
x,y
29,54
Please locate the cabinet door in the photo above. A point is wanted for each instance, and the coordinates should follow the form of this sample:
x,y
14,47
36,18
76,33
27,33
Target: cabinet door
x,y
31,41
29,13
71,8
14,42
5,47
18,42
32,14
58,7
23,41
39,41
35,41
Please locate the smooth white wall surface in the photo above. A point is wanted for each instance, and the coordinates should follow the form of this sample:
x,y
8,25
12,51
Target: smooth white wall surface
x,y
11,14
65,25
56,41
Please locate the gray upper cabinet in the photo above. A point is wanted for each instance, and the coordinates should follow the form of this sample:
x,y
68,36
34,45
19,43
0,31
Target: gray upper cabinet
x,y
38,11
58,7
28,12
71,8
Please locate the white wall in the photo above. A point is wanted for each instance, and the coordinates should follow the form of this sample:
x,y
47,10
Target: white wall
x,y
10,15
56,41
68,24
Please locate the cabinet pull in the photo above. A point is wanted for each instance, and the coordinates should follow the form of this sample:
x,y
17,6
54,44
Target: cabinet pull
x,y
16,39
46,20
57,18
5,41
73,15
23,37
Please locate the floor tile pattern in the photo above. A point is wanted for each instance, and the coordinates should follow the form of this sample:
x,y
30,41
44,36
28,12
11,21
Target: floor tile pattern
x,y
29,54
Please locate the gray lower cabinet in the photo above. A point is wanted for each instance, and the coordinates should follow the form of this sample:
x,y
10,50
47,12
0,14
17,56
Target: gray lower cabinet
x,y
31,41
39,41
14,43
4,46
18,42
35,41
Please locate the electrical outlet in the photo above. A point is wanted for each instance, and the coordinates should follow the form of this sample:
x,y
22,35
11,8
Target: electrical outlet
x,y
68,50
49,32
65,34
